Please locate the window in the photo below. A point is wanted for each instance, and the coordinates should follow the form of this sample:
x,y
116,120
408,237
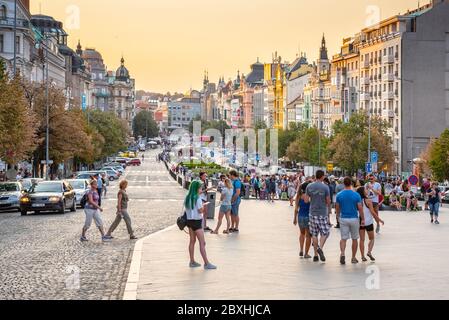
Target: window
x,y
18,44
2,12
1,43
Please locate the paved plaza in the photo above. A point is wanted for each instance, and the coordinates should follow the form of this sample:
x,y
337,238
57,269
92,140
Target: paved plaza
x,y
262,262
41,255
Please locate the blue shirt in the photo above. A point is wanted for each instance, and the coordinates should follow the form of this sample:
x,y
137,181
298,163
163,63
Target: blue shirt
x,y
304,209
237,184
99,182
348,201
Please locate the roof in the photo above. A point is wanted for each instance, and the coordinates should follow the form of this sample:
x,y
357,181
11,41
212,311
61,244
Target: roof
x,y
256,76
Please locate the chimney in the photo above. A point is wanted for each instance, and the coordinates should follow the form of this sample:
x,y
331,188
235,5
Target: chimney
x,y
26,4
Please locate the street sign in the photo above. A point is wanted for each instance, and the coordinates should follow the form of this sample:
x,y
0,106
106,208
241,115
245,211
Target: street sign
x,y
374,167
374,157
84,102
330,167
413,180
49,162
368,167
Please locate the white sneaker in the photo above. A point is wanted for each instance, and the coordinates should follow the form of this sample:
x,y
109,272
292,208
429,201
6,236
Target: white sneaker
x,y
209,266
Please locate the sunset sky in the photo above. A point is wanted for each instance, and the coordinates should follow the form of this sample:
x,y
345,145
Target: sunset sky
x,y
167,44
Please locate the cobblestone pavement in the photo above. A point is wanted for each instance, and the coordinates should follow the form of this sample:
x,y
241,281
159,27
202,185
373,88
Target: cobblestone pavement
x,y
41,256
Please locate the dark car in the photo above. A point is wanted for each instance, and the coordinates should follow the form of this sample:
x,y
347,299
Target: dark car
x,y
10,194
134,162
49,196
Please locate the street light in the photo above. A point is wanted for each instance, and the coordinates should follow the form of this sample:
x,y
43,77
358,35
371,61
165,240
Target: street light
x,y
369,125
15,37
412,82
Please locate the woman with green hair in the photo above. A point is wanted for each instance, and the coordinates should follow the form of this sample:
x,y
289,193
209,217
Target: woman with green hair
x,y
195,211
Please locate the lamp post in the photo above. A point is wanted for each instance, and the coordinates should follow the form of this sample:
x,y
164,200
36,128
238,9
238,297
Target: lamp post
x,y
15,38
412,82
369,126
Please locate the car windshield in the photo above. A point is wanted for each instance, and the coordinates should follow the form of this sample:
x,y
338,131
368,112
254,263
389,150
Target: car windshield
x,y
77,184
47,187
5,187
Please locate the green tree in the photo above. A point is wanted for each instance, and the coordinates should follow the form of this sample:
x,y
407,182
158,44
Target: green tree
x,y
439,157
17,121
111,128
349,145
144,125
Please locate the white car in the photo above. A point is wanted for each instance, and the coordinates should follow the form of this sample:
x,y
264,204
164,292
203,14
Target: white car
x,y
80,186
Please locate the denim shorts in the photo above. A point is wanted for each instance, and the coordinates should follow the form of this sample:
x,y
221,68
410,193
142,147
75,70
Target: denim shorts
x,y
235,208
303,222
225,208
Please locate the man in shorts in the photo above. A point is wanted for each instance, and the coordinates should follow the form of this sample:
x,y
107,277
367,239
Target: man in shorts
x,y
318,195
348,208
237,185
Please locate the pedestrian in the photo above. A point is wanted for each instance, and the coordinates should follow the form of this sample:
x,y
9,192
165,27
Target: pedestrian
x,y
271,188
301,218
235,201
424,188
256,186
100,187
122,212
143,157
291,190
351,216
375,193
105,182
370,216
434,202
226,206
318,195
205,189
195,212
92,210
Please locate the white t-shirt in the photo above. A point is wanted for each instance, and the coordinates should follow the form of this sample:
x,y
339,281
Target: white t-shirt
x,y
193,214
375,186
369,220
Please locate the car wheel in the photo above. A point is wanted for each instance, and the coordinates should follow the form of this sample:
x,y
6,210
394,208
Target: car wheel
x,y
111,178
73,208
23,212
62,211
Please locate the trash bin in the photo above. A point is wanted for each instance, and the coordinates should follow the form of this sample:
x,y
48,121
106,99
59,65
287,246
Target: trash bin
x,y
211,198
247,189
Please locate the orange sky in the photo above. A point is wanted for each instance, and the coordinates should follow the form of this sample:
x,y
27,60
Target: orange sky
x,y
168,43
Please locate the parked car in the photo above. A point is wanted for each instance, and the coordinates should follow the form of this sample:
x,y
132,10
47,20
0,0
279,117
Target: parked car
x,y
117,166
118,170
112,174
88,174
122,160
29,182
81,186
444,193
49,196
10,194
134,162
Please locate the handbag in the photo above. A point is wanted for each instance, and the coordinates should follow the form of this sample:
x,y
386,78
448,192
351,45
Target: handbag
x,y
182,220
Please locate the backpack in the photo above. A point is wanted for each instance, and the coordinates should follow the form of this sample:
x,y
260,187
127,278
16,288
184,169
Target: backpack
x,y
84,200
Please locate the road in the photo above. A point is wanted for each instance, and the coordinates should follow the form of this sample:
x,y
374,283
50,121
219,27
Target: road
x,y
41,256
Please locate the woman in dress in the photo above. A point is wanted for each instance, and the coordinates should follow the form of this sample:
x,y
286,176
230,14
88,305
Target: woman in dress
x,y
291,189
301,218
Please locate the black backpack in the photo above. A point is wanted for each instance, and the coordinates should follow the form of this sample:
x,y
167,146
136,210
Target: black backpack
x,y
83,200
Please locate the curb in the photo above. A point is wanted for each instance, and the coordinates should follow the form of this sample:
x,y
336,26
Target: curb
x,y
134,269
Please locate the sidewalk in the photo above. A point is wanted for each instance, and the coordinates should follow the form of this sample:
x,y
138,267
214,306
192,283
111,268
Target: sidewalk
x,y
262,262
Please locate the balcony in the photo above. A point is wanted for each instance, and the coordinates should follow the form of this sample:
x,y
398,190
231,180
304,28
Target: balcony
x,y
388,59
388,77
388,95
365,97
364,81
9,22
